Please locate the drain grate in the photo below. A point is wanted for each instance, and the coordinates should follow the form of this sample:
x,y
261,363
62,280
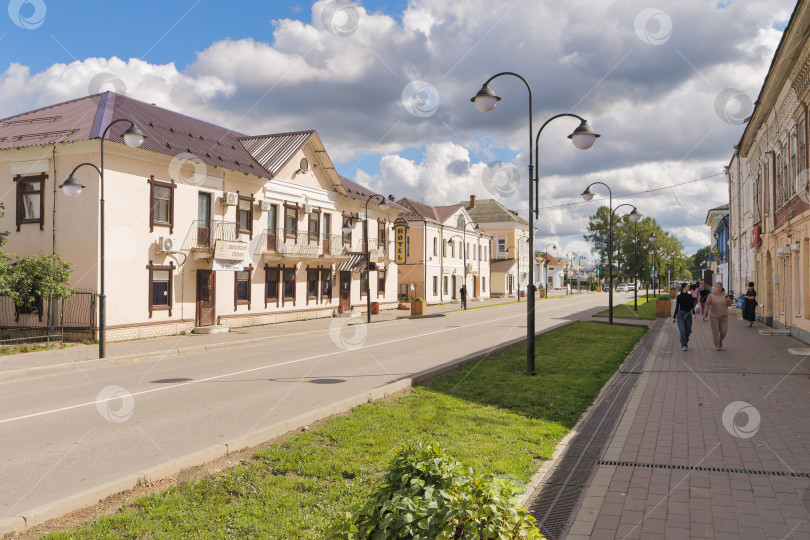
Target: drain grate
x,y
702,468
554,505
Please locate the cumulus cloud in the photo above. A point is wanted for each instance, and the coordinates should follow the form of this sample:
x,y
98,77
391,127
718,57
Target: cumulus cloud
x,y
648,83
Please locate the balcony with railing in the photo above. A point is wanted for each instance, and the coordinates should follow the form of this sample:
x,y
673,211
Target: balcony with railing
x,y
203,235
275,244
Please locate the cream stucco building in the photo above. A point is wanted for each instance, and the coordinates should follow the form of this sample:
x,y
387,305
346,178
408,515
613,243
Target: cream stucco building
x,y
203,224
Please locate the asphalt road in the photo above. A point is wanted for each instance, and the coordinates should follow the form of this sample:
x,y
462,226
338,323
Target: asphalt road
x,y
65,433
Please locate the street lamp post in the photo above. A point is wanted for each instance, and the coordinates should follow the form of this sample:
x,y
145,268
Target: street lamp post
x,y
517,249
654,274
347,228
583,138
635,262
634,215
133,137
545,267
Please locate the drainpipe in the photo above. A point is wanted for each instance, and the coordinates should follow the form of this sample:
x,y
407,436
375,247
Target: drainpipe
x,y
729,254
424,263
739,225
441,267
53,223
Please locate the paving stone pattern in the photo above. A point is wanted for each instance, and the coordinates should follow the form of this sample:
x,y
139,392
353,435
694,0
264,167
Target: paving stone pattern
x,y
712,444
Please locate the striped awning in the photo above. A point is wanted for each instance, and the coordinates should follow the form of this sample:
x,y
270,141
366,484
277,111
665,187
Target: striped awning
x,y
356,263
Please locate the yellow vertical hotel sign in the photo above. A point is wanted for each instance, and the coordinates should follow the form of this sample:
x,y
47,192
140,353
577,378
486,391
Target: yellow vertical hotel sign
x,y
400,234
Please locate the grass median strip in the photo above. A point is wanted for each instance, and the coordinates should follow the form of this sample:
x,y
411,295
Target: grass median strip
x,y
488,415
646,309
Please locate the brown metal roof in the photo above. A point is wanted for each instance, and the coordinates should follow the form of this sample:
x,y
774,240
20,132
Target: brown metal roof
x,y
273,151
501,266
491,211
362,193
444,212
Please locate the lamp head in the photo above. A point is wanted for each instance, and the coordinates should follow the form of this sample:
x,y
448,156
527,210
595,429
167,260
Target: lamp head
x,y
133,137
620,223
653,238
384,206
347,225
587,194
635,215
71,187
485,100
584,136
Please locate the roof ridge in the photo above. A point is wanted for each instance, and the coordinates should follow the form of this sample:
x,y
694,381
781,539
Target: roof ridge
x,y
246,137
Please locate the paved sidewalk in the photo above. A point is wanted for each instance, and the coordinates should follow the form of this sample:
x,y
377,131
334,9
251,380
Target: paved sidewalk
x,y
712,444
23,365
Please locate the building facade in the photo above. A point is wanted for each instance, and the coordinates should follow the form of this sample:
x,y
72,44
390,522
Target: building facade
x,y
717,220
203,225
768,174
510,241
443,252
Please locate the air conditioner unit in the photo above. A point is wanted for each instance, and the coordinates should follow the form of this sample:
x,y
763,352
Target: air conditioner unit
x,y
264,206
167,244
307,208
361,216
230,198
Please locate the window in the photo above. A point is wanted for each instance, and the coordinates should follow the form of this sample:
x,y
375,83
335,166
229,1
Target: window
x,y
241,287
289,284
347,236
326,283
270,285
290,220
161,204
757,196
467,248
30,200
160,287
779,188
435,284
444,284
479,253
473,253
501,245
791,187
444,249
381,243
314,223
312,284
483,284
802,147
327,234
380,282
452,248
363,282
245,215
273,234
785,175
435,247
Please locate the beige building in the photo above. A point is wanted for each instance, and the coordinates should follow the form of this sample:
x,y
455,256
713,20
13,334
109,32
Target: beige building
x,y
441,239
769,215
510,242
203,224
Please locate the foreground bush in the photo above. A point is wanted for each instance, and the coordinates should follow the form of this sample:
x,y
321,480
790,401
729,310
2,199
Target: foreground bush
x,y
427,495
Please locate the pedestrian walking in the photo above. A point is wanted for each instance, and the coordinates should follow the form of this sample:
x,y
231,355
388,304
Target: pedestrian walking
x,y
463,297
702,296
717,304
750,307
683,315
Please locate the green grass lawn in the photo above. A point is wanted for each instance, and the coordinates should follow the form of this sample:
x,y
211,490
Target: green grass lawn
x,y
488,415
646,309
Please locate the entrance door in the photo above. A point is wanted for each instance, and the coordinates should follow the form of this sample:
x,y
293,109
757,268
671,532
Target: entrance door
x,y
204,219
345,290
206,289
476,286
327,232
453,282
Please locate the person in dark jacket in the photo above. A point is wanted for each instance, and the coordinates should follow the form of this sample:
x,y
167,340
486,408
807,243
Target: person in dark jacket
x,y
684,313
464,297
750,306
704,293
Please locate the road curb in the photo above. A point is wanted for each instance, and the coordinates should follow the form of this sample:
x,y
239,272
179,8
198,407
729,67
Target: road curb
x,y
172,468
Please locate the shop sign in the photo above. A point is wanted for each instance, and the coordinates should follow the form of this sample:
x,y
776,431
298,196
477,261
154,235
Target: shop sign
x,y
400,235
230,251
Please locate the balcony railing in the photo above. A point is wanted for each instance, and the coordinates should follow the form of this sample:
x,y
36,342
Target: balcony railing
x,y
204,234
281,244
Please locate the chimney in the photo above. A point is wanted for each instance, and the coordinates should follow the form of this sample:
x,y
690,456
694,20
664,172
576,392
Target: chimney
x,y
392,198
472,202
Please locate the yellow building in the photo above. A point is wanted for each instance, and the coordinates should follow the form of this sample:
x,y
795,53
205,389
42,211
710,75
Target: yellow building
x,y
768,212
202,225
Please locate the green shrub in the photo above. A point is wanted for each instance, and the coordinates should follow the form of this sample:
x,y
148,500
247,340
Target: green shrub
x,y
418,299
427,495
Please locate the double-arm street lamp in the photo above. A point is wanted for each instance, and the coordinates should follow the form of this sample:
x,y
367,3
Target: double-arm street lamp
x,y
634,215
133,137
583,138
347,228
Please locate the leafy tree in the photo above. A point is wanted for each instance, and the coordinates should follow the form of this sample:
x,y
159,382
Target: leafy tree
x,y
699,262
29,279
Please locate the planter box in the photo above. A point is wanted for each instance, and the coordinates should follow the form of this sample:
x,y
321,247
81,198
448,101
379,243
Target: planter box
x,y
542,293
418,308
404,305
375,308
663,308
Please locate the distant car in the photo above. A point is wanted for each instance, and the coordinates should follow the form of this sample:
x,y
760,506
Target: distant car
x,y
631,287
605,288
621,287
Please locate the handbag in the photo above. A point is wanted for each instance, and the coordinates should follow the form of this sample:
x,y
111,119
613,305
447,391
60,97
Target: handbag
x,y
740,302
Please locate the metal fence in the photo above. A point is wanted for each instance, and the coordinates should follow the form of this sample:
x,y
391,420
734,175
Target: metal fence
x,y
54,319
